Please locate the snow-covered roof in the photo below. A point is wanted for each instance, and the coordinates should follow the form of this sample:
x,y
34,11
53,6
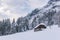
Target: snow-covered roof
x,y
40,24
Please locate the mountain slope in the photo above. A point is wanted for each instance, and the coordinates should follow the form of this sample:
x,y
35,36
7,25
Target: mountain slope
x,y
49,15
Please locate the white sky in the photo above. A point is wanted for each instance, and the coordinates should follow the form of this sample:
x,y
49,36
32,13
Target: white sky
x,y
17,8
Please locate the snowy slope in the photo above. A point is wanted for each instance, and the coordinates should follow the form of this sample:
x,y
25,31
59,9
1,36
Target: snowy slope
x,y
47,34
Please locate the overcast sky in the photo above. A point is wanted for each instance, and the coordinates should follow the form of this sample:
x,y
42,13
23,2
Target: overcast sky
x,y
17,8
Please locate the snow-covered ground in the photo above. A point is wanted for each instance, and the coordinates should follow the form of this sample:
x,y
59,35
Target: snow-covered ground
x,y
52,33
